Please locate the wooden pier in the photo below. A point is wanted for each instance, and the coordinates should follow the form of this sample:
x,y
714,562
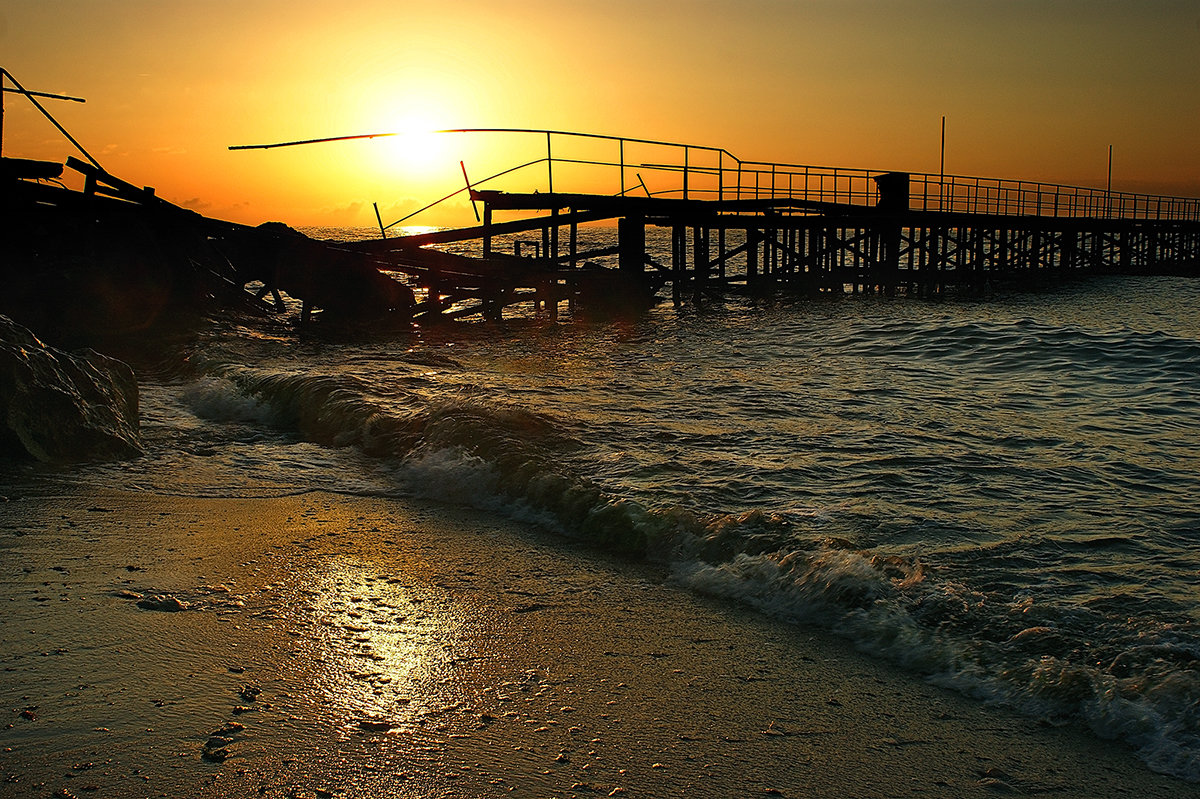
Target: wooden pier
x,y
696,218
757,227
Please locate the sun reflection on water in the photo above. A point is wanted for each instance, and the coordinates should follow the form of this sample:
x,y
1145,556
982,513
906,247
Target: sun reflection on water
x,y
384,646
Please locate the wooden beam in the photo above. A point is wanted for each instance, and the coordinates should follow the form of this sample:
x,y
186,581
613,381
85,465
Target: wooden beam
x,y
466,234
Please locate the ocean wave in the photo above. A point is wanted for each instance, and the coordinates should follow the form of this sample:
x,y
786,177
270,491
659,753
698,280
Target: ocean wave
x,y
964,615
1059,663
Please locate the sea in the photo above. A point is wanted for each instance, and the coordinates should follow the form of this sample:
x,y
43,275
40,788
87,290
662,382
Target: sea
x,y
997,494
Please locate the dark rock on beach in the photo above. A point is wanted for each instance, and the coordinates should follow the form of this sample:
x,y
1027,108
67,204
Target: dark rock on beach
x,y
57,406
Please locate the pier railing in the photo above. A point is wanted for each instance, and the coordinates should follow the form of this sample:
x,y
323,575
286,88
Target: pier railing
x,y
673,170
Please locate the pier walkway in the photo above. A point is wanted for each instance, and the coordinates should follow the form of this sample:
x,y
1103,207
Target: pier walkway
x,y
766,227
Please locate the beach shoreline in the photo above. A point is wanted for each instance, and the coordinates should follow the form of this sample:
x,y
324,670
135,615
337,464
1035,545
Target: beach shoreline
x,y
329,645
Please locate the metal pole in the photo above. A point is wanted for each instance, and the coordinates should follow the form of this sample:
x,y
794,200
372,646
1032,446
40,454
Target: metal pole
x,y
1108,190
621,143
685,173
721,179
549,163
942,169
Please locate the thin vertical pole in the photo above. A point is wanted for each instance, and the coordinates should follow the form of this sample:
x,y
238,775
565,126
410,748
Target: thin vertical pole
x,y
685,172
549,163
487,228
1108,190
720,175
942,169
621,145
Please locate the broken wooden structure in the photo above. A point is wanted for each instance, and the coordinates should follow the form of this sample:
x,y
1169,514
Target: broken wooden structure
x,y
114,258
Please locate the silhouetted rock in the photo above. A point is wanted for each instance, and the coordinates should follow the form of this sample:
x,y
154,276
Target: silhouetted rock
x,y
58,407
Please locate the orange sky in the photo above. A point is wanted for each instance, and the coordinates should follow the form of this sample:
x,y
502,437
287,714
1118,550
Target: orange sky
x,y
1032,89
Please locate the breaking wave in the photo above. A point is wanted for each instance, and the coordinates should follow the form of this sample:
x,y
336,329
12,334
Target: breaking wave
x,y
1127,665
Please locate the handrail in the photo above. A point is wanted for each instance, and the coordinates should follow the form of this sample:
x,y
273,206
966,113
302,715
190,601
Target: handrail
x,y
765,180
745,179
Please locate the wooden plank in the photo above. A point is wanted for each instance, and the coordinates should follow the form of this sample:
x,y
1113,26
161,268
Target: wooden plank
x,y
452,235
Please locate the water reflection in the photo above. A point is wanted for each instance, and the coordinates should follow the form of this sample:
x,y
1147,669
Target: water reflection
x,y
383,645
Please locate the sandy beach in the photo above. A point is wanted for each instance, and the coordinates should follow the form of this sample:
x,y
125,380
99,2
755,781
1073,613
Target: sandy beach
x,y
322,645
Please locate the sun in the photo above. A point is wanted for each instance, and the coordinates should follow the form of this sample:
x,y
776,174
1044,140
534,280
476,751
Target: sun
x,y
416,149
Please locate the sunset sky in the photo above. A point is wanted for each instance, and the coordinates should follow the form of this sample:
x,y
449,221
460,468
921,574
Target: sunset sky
x,y
1031,89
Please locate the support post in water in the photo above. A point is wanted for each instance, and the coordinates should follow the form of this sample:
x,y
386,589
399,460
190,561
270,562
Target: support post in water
x,y
631,244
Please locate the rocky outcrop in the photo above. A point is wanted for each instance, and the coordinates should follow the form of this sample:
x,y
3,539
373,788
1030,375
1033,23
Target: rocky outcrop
x,y
60,407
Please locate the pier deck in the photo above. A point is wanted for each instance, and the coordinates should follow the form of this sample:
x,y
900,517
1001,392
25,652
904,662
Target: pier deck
x,y
742,226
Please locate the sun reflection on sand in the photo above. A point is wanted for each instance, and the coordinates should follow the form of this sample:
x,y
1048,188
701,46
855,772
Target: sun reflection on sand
x,y
384,646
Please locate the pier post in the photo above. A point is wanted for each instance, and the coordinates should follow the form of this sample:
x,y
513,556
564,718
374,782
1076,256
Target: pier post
x,y
551,247
1069,256
678,263
487,228
752,239
701,256
721,250
631,244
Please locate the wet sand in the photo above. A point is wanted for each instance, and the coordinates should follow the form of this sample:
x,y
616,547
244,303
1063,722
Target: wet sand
x,y
322,645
